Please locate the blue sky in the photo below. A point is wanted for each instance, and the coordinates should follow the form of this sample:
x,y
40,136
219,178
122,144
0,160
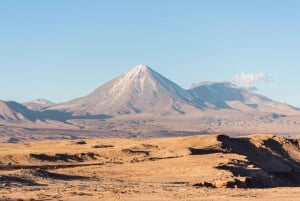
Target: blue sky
x,y
64,49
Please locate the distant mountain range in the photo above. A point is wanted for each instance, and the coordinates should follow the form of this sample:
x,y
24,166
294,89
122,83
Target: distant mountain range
x,y
143,90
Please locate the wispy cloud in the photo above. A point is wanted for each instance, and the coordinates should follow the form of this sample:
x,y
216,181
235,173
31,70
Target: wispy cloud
x,y
249,80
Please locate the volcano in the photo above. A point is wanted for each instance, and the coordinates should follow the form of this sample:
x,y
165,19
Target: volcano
x,y
141,90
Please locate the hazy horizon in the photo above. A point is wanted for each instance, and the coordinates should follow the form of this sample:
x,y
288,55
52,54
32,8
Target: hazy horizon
x,y
60,50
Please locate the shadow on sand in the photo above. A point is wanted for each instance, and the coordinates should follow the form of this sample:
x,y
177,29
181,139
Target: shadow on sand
x,y
267,165
16,180
56,176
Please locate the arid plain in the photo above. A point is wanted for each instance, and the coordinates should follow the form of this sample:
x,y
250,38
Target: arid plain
x,y
206,167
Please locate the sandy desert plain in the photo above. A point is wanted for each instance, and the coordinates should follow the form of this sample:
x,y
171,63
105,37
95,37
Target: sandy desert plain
x,y
201,167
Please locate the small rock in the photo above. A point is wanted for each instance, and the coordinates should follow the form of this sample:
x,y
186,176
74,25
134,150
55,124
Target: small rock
x,y
8,165
80,142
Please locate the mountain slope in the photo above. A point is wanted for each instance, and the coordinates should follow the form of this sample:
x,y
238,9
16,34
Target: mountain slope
x,y
10,110
141,90
227,96
38,104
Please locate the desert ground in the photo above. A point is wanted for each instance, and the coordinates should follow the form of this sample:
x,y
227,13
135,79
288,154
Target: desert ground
x,y
205,167
228,122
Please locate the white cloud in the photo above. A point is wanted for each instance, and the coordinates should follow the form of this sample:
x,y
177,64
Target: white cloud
x,y
249,80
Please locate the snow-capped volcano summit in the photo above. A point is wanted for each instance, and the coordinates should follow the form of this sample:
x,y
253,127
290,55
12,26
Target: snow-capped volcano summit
x,y
141,67
140,90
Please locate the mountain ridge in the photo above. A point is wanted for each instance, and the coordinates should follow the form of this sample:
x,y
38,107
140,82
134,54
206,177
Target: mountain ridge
x,y
13,111
143,103
143,90
38,104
